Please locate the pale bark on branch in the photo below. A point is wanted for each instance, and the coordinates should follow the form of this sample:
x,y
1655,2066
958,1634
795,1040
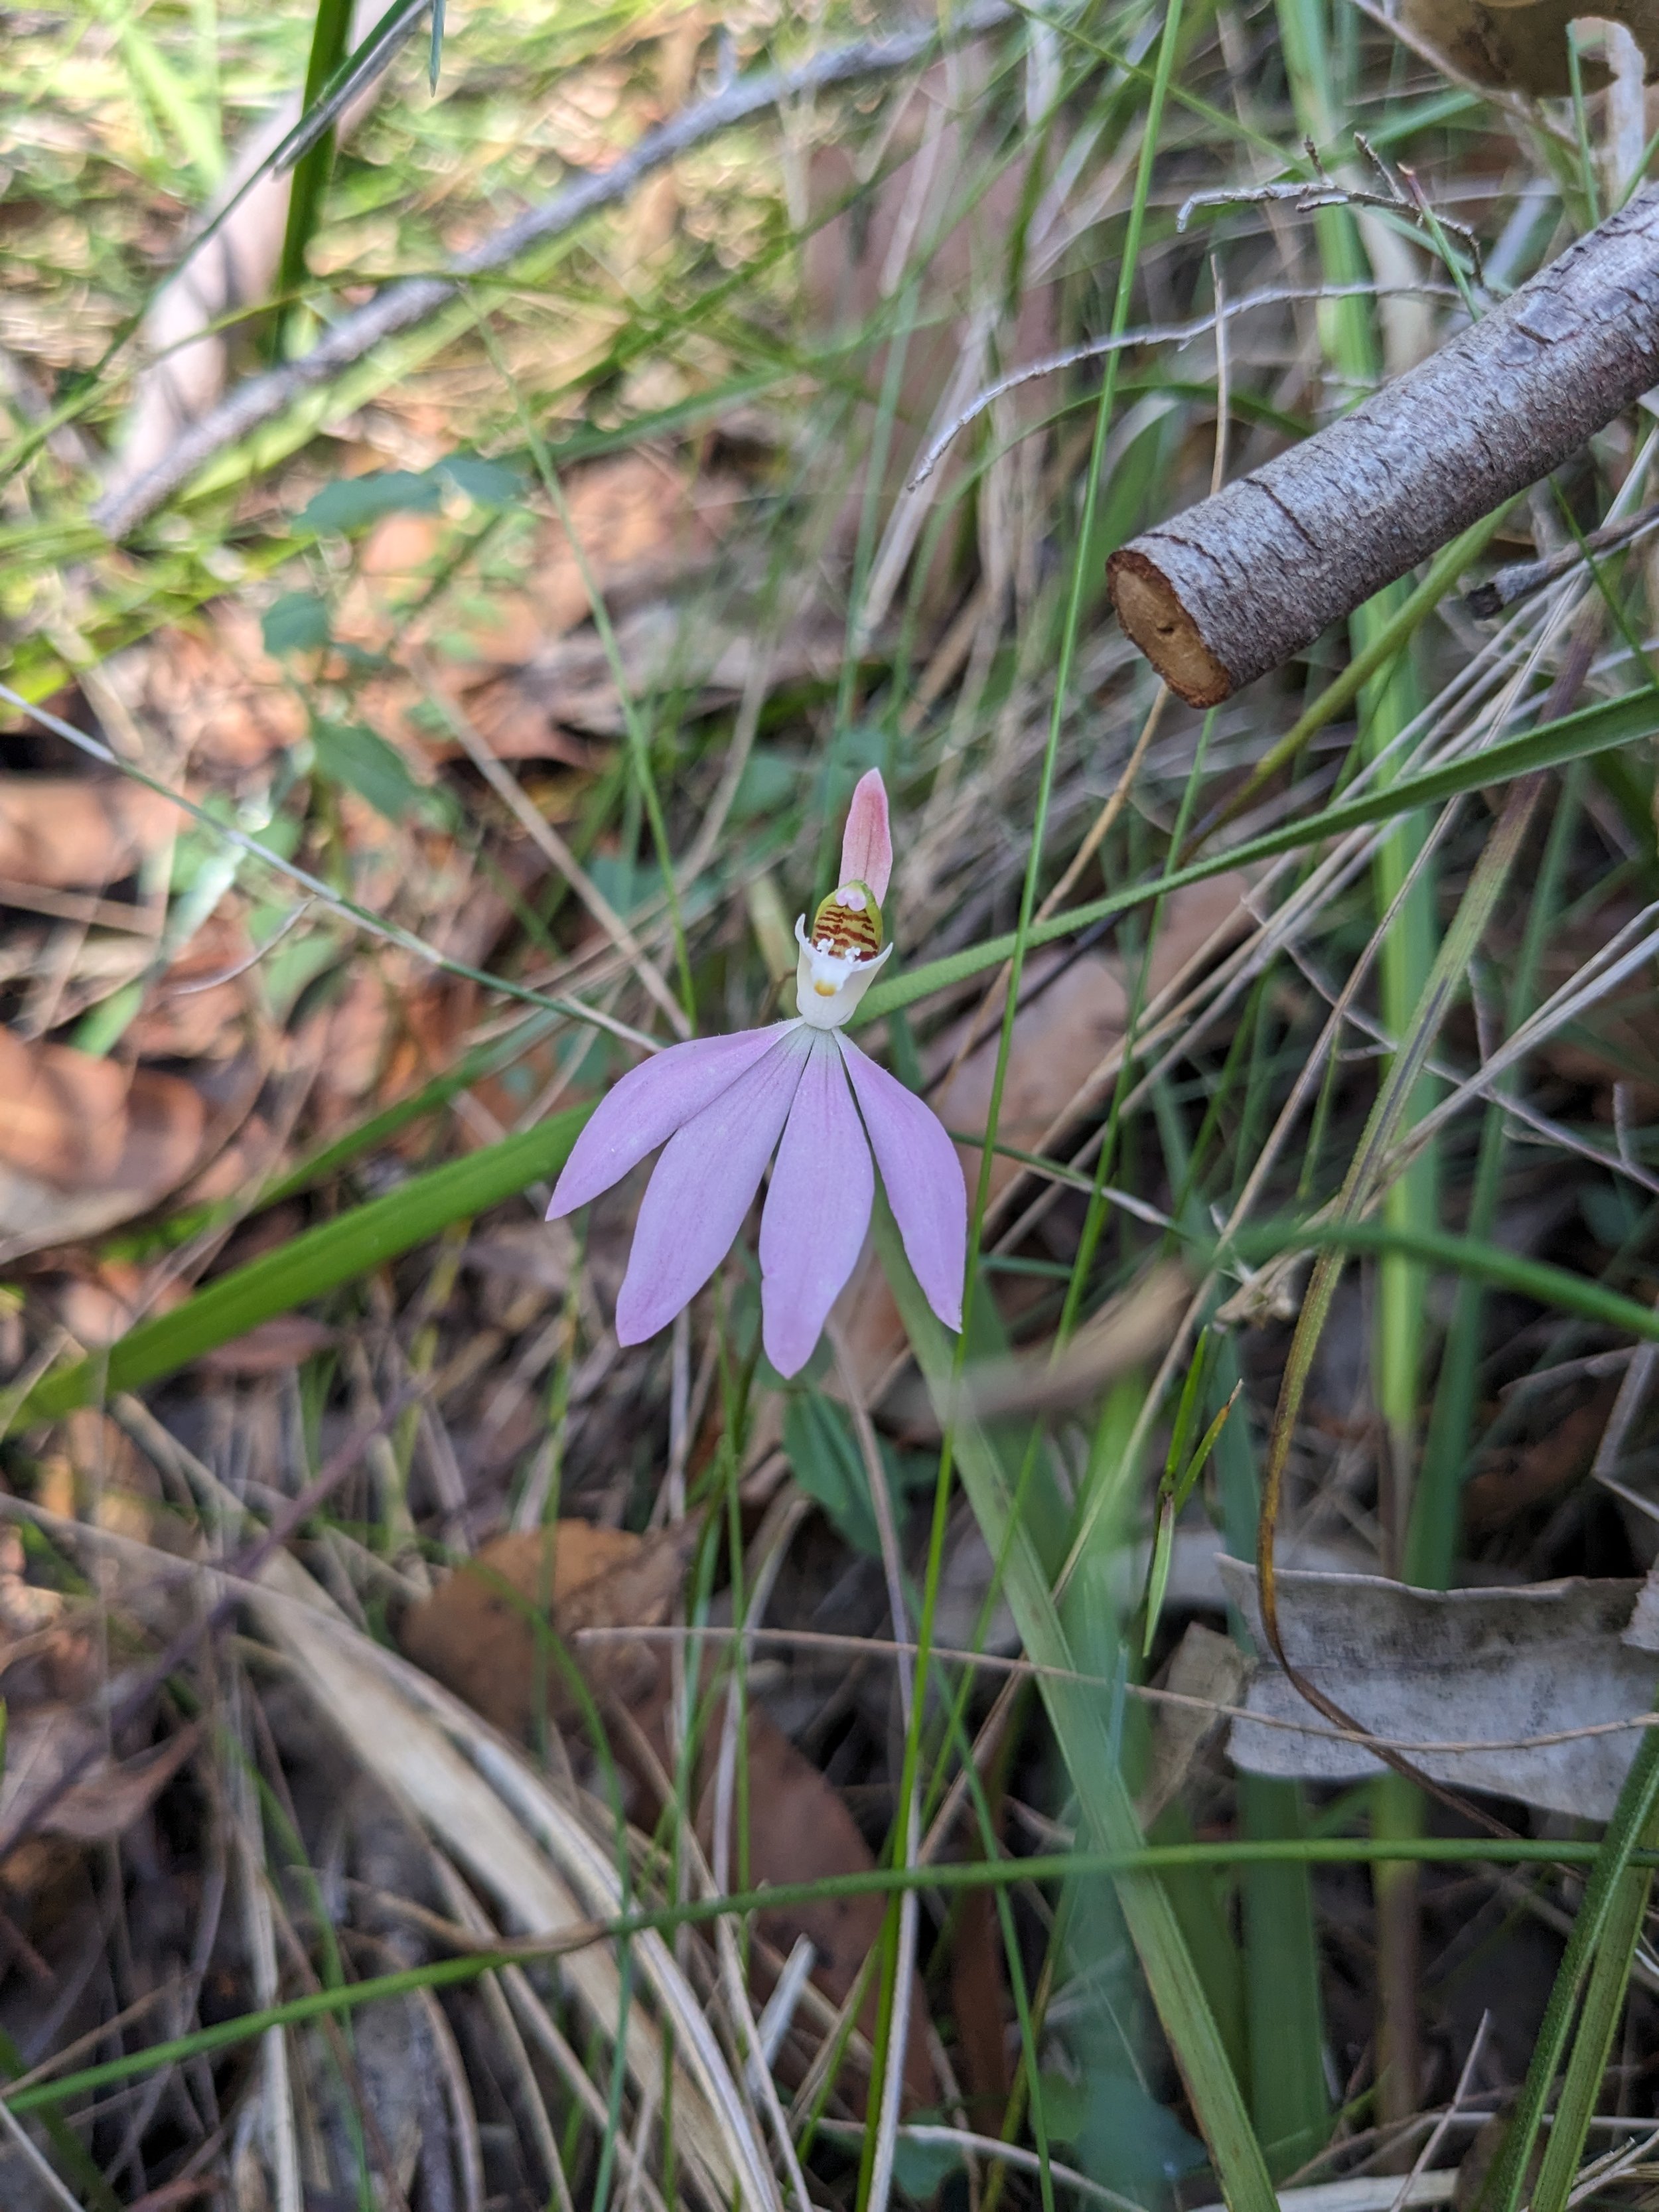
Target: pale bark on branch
x,y
401,306
1236,585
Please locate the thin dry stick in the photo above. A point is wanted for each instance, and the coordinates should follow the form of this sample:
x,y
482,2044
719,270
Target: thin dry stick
x,y
990,1006
1442,2127
779,1527
1005,2154
463,2115
547,839
35,2158
1632,1389
1249,303
416,299
1223,383
1506,587
277,2085
1022,1669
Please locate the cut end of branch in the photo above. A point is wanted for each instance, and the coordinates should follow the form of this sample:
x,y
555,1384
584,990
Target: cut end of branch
x,y
1153,618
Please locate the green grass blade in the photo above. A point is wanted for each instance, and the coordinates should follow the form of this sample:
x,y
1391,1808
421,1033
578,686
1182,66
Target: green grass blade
x,y
1467,1256
1144,1860
1604,2001
1287,2014
311,1264
331,39
1604,1896
1574,737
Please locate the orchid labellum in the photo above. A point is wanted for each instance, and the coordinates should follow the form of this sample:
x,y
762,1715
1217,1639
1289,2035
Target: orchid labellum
x,y
721,1107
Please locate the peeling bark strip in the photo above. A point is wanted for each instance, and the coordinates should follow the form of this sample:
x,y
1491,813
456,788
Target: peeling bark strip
x,y
1237,584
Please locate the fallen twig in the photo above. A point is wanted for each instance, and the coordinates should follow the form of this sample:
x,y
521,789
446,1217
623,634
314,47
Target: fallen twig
x,y
1233,587
1507,587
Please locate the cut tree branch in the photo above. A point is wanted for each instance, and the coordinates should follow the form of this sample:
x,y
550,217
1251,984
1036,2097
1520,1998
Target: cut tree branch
x,y
400,306
1236,585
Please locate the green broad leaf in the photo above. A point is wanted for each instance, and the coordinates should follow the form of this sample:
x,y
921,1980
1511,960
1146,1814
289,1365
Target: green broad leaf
x,y
297,623
356,501
314,1263
486,483
347,753
919,2167
1065,2107
830,1468
767,786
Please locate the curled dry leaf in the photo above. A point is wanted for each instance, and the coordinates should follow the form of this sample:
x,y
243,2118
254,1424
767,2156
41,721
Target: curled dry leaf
x,y
1522,44
46,1742
475,1633
1480,1668
1204,1665
78,833
85,1142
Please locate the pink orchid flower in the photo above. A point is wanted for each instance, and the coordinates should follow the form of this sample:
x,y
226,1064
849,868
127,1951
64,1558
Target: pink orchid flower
x,y
722,1106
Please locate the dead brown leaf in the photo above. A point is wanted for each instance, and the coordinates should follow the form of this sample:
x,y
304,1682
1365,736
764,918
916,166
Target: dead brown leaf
x,y
1522,44
800,1830
46,1742
475,1633
85,1142
523,663
1484,1672
191,1015
1517,1477
76,833
220,696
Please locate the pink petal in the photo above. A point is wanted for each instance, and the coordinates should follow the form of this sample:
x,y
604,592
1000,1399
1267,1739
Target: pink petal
x,y
650,1103
816,1211
704,1185
866,849
922,1177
